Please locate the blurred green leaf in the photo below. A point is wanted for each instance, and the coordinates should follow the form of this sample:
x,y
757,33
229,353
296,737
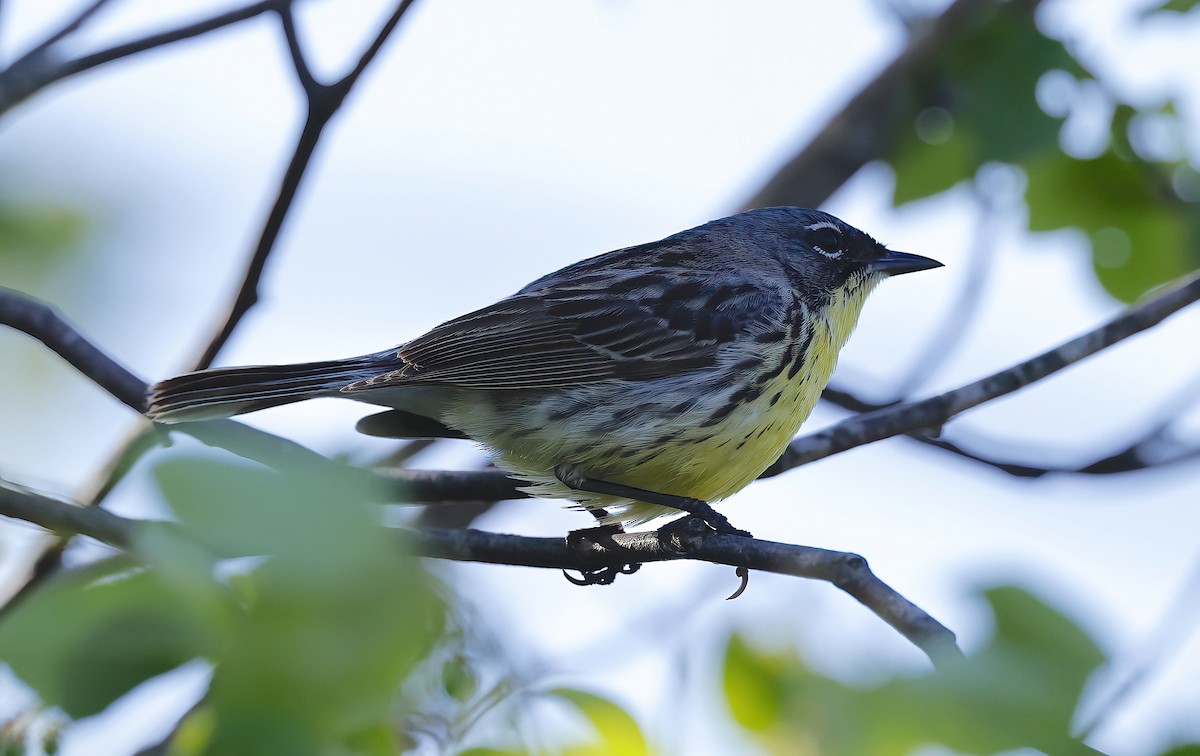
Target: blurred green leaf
x,y
85,640
1170,6
335,615
458,679
619,734
1019,692
754,685
38,230
978,105
1140,236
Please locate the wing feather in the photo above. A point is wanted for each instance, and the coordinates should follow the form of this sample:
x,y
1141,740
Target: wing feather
x,y
646,324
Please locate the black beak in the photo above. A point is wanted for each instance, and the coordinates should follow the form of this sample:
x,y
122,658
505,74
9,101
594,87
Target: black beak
x,y
895,263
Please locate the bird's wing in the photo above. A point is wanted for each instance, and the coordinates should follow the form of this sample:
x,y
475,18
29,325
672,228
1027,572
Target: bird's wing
x,y
643,325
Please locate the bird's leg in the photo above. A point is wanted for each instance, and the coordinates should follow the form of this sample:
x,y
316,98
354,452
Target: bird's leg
x,y
572,477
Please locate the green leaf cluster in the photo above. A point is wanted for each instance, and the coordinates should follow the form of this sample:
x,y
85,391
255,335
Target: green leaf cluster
x,y
977,104
1019,692
308,610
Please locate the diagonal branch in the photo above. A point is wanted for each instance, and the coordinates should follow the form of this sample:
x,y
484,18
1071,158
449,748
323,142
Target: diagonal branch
x,y
693,541
68,28
324,101
43,323
33,72
63,518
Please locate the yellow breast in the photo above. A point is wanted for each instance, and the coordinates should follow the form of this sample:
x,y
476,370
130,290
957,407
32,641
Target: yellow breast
x,y
684,455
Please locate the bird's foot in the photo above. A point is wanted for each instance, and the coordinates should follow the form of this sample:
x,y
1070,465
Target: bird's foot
x,y
581,541
603,575
682,536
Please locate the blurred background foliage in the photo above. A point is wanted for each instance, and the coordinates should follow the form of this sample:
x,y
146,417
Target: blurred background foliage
x,y
1007,93
316,633
36,239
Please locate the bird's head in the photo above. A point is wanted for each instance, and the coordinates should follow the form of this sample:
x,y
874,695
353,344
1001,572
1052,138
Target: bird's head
x,y
824,254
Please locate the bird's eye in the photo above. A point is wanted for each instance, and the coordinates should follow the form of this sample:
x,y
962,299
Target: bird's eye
x,y
826,240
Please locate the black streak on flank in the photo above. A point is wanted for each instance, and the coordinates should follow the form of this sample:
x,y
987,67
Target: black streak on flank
x,y
774,372
736,399
799,363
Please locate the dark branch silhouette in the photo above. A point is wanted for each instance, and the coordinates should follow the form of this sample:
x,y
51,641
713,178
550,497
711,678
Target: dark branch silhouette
x,y
42,322
694,540
324,101
854,137
38,68
848,572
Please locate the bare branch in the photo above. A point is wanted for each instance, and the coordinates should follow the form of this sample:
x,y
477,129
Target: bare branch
x,y
65,519
288,21
376,45
69,28
32,73
690,539
932,413
696,541
40,321
324,100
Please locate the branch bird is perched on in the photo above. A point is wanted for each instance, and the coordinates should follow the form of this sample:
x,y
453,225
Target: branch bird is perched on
x,y
634,383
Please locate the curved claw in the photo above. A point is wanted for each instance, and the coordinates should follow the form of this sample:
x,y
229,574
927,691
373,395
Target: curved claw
x,y
602,576
744,574
585,580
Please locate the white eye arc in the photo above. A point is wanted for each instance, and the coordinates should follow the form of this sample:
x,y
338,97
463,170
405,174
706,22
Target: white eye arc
x,y
831,254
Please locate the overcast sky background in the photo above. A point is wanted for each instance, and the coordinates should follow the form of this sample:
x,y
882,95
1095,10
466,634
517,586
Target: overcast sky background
x,y
494,142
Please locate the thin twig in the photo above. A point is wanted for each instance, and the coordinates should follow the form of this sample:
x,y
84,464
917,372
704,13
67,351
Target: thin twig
x,y
303,72
29,75
376,45
324,100
67,29
63,518
40,321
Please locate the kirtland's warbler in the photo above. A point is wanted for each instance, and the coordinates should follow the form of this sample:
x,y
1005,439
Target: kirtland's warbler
x,y
682,367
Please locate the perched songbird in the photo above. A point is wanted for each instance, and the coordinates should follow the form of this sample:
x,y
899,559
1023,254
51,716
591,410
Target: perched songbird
x,y
682,367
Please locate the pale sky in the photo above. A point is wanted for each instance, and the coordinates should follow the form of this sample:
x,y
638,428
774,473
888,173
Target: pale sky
x,y
494,142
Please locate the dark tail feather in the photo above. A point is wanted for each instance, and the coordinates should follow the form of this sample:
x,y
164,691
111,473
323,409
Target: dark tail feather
x,y
222,392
